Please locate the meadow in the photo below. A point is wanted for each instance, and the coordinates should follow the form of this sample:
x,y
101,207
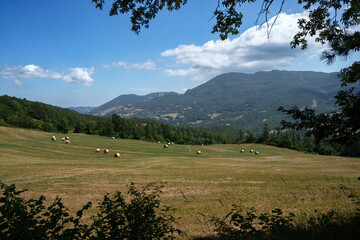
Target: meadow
x,y
197,186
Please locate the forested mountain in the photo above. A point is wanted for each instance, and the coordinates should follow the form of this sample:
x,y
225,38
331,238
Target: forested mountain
x,y
240,100
122,100
16,112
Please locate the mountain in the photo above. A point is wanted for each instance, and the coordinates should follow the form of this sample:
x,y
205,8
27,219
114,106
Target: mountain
x,y
83,110
122,100
235,99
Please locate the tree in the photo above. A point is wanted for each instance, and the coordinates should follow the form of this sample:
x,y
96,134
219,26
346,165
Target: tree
x,y
323,23
266,133
342,126
250,137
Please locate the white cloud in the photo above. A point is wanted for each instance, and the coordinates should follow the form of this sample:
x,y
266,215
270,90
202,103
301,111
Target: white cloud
x,y
18,83
149,65
80,76
314,103
31,71
250,52
183,90
28,71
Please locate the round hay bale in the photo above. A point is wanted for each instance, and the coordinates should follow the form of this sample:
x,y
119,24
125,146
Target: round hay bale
x,y
53,138
67,142
198,152
242,151
117,155
251,151
256,153
158,142
106,151
97,150
67,138
63,139
166,146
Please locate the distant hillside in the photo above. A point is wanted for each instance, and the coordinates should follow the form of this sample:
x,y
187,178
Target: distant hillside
x,y
83,110
112,106
235,99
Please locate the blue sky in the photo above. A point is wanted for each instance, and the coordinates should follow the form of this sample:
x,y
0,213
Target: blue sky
x,y
68,53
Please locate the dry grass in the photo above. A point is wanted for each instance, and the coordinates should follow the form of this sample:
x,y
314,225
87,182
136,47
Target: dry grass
x,y
198,186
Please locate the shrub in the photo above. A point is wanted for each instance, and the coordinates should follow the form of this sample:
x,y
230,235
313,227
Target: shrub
x,y
138,218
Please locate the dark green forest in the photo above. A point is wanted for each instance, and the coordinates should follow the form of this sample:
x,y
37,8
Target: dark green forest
x,y
15,112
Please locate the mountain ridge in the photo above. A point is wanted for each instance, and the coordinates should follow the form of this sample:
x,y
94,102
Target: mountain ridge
x,y
235,99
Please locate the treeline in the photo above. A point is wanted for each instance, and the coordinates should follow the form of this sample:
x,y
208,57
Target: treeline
x,y
36,115
297,141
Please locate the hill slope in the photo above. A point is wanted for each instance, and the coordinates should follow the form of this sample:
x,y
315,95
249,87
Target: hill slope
x,y
239,100
121,100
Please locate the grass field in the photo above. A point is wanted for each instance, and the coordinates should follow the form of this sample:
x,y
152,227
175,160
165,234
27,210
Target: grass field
x,y
198,186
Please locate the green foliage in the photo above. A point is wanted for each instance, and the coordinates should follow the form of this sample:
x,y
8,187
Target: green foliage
x,y
139,217
142,12
30,219
248,224
250,137
242,223
342,126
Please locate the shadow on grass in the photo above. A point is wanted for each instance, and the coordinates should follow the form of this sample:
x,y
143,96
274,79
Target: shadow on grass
x,y
241,224
344,230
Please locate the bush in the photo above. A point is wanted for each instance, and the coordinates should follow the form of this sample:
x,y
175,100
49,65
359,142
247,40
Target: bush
x,y
248,224
141,218
138,218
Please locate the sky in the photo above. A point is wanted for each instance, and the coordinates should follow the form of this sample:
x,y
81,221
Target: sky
x,y
68,53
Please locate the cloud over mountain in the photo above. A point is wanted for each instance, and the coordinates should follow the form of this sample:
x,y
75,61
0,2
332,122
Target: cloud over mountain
x,y
250,52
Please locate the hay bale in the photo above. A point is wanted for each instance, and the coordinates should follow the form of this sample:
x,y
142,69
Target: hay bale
x,y
106,151
117,155
251,151
242,151
67,142
53,138
63,139
198,152
256,153
97,150
67,138
166,146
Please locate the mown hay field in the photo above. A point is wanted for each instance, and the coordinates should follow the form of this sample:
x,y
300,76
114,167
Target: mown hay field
x,y
197,186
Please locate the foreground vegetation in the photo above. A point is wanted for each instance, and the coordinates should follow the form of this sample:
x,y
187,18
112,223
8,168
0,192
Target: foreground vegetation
x,y
139,216
199,187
